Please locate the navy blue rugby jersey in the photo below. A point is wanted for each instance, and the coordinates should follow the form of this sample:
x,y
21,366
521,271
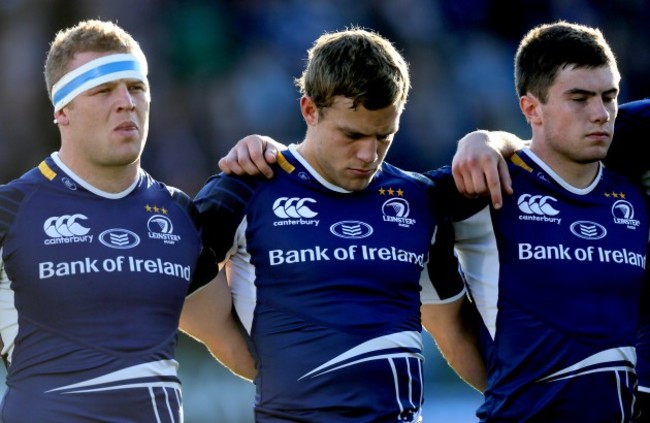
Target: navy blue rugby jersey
x,y
327,283
556,276
632,135
91,292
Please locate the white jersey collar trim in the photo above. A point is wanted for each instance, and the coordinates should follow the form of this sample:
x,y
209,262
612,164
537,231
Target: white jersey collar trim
x,y
293,148
557,178
86,185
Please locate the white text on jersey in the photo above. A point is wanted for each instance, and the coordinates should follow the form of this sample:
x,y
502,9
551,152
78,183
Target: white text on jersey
x,y
50,269
277,257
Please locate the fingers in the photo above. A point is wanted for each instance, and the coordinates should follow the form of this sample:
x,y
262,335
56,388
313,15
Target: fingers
x,y
476,178
498,182
506,181
259,157
468,163
479,168
463,179
250,156
469,176
270,154
493,182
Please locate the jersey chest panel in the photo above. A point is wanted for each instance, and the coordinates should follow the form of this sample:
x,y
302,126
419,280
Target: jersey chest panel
x,y
76,259
558,247
312,246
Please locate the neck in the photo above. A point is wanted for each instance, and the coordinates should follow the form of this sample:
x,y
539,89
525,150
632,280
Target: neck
x,y
577,174
110,179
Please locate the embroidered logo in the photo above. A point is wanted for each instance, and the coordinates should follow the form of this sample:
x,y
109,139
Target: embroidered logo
x,y
119,238
397,210
623,213
586,229
66,229
351,229
294,211
161,227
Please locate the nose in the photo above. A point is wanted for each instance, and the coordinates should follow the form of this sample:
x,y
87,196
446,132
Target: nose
x,y
368,150
602,110
125,99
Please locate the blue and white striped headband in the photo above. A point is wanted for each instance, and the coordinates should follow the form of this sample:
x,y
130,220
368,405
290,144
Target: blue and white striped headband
x,y
94,73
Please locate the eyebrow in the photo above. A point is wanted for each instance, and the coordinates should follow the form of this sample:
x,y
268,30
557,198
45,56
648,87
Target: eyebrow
x,y
355,132
590,92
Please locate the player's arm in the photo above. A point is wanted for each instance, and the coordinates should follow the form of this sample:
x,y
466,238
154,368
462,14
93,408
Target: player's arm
x,y
8,316
208,317
643,345
450,326
479,166
445,309
252,155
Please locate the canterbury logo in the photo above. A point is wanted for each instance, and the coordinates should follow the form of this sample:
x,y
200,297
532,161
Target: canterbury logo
x,y
537,204
288,208
65,226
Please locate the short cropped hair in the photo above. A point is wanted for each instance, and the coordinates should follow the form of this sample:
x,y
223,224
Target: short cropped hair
x,y
358,64
547,49
86,36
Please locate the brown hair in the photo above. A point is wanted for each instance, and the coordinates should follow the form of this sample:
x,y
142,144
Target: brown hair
x,y
549,48
357,64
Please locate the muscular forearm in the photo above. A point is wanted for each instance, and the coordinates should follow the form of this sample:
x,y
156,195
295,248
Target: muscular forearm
x,y
456,339
230,349
208,317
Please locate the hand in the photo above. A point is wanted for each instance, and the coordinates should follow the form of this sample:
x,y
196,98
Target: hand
x,y
252,155
479,168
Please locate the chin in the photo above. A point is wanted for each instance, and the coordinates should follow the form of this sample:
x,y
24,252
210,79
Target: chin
x,y
595,154
358,187
126,159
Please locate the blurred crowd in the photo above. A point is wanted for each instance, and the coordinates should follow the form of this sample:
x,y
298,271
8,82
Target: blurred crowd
x,y
222,69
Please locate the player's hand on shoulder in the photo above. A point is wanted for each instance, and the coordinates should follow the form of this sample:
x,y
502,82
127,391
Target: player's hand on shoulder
x,y
479,168
252,155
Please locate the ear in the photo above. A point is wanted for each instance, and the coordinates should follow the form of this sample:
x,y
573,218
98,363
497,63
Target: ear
x,y
309,110
61,117
530,107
